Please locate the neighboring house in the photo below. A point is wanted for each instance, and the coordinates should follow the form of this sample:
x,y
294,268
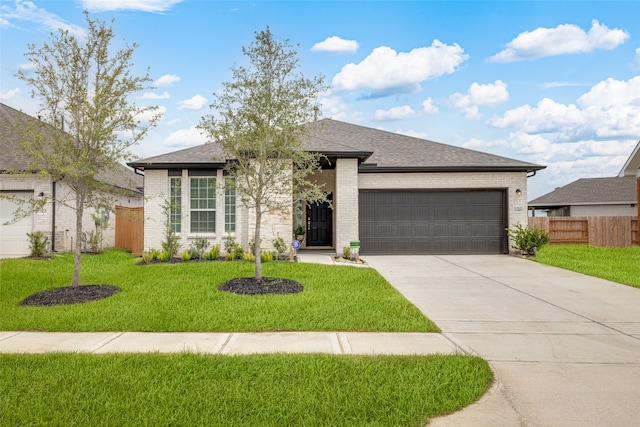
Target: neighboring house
x,y
396,194
55,219
611,196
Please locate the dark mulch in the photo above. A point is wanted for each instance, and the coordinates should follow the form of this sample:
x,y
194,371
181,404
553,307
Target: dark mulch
x,y
70,295
268,285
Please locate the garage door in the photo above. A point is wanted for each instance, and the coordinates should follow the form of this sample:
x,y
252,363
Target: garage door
x,y
432,222
13,237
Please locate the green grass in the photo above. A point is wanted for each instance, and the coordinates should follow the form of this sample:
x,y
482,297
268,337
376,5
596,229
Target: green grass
x,y
184,297
256,390
620,265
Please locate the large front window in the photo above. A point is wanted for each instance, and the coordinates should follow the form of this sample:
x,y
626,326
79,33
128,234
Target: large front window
x,y
203,205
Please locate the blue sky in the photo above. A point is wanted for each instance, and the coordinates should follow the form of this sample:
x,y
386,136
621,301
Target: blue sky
x,y
550,82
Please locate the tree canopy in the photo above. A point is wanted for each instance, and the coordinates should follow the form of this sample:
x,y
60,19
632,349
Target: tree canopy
x,y
85,89
260,120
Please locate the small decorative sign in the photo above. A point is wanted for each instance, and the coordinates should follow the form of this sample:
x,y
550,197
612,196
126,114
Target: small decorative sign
x,y
295,245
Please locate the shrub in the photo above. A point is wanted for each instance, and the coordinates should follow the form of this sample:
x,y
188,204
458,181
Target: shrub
x,y
164,256
346,252
238,252
38,244
200,246
186,256
229,256
230,245
214,253
248,256
528,240
266,256
147,257
280,246
94,239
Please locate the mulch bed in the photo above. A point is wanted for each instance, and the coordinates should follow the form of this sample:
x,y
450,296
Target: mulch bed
x,y
70,295
268,285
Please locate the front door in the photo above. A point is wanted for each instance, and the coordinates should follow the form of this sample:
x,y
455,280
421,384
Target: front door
x,y
319,225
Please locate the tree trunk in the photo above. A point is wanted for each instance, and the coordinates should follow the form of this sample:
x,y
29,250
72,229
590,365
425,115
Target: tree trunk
x,y
256,250
78,248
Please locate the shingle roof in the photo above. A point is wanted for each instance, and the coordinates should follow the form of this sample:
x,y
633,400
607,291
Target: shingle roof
x,y
379,150
13,158
588,191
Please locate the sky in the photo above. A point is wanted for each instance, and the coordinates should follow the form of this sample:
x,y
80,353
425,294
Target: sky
x,y
556,83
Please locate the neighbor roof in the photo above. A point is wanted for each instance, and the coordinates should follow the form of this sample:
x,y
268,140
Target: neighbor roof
x,y
13,157
632,165
378,150
591,191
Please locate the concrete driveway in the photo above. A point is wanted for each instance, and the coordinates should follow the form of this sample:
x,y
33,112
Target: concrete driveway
x,y
565,347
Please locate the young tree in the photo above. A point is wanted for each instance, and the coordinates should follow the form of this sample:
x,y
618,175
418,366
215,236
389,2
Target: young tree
x,y
260,123
84,90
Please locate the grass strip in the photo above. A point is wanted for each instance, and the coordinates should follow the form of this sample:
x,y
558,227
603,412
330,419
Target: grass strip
x,y
621,265
184,297
257,390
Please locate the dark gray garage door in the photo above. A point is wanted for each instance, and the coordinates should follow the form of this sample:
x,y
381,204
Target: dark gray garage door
x,y
432,222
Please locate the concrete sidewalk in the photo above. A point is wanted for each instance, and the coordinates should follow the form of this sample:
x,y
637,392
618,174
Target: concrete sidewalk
x,y
365,343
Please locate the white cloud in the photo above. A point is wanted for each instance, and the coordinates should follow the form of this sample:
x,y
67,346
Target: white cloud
x,y
186,138
152,95
428,107
490,94
10,94
386,70
27,11
635,65
563,39
611,93
141,5
197,102
166,80
335,44
610,109
546,116
395,113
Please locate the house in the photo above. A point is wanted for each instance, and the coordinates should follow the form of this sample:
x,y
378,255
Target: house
x,y
56,218
610,196
396,194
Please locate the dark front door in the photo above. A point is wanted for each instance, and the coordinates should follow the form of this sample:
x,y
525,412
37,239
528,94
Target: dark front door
x,y
319,225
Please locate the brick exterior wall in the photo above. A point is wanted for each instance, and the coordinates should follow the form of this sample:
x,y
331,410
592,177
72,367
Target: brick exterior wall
x,y
65,216
345,203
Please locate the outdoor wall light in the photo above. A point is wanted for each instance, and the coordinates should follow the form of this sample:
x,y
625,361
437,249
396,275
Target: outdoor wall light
x,y
519,192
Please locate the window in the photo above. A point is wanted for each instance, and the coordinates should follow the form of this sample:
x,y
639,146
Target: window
x,y
230,205
203,205
175,200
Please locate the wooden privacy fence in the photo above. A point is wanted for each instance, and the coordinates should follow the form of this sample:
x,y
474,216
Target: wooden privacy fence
x,y
594,230
130,229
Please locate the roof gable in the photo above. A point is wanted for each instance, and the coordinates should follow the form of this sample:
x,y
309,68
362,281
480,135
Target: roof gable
x,y
632,165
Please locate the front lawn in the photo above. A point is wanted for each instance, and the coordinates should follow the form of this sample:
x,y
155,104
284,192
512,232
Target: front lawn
x,y
620,265
184,297
256,390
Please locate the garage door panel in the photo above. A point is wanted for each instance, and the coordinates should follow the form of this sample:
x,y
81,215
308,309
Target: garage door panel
x,y
432,222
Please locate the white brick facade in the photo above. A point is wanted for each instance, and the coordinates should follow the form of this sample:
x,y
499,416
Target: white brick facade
x,y
346,203
65,215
